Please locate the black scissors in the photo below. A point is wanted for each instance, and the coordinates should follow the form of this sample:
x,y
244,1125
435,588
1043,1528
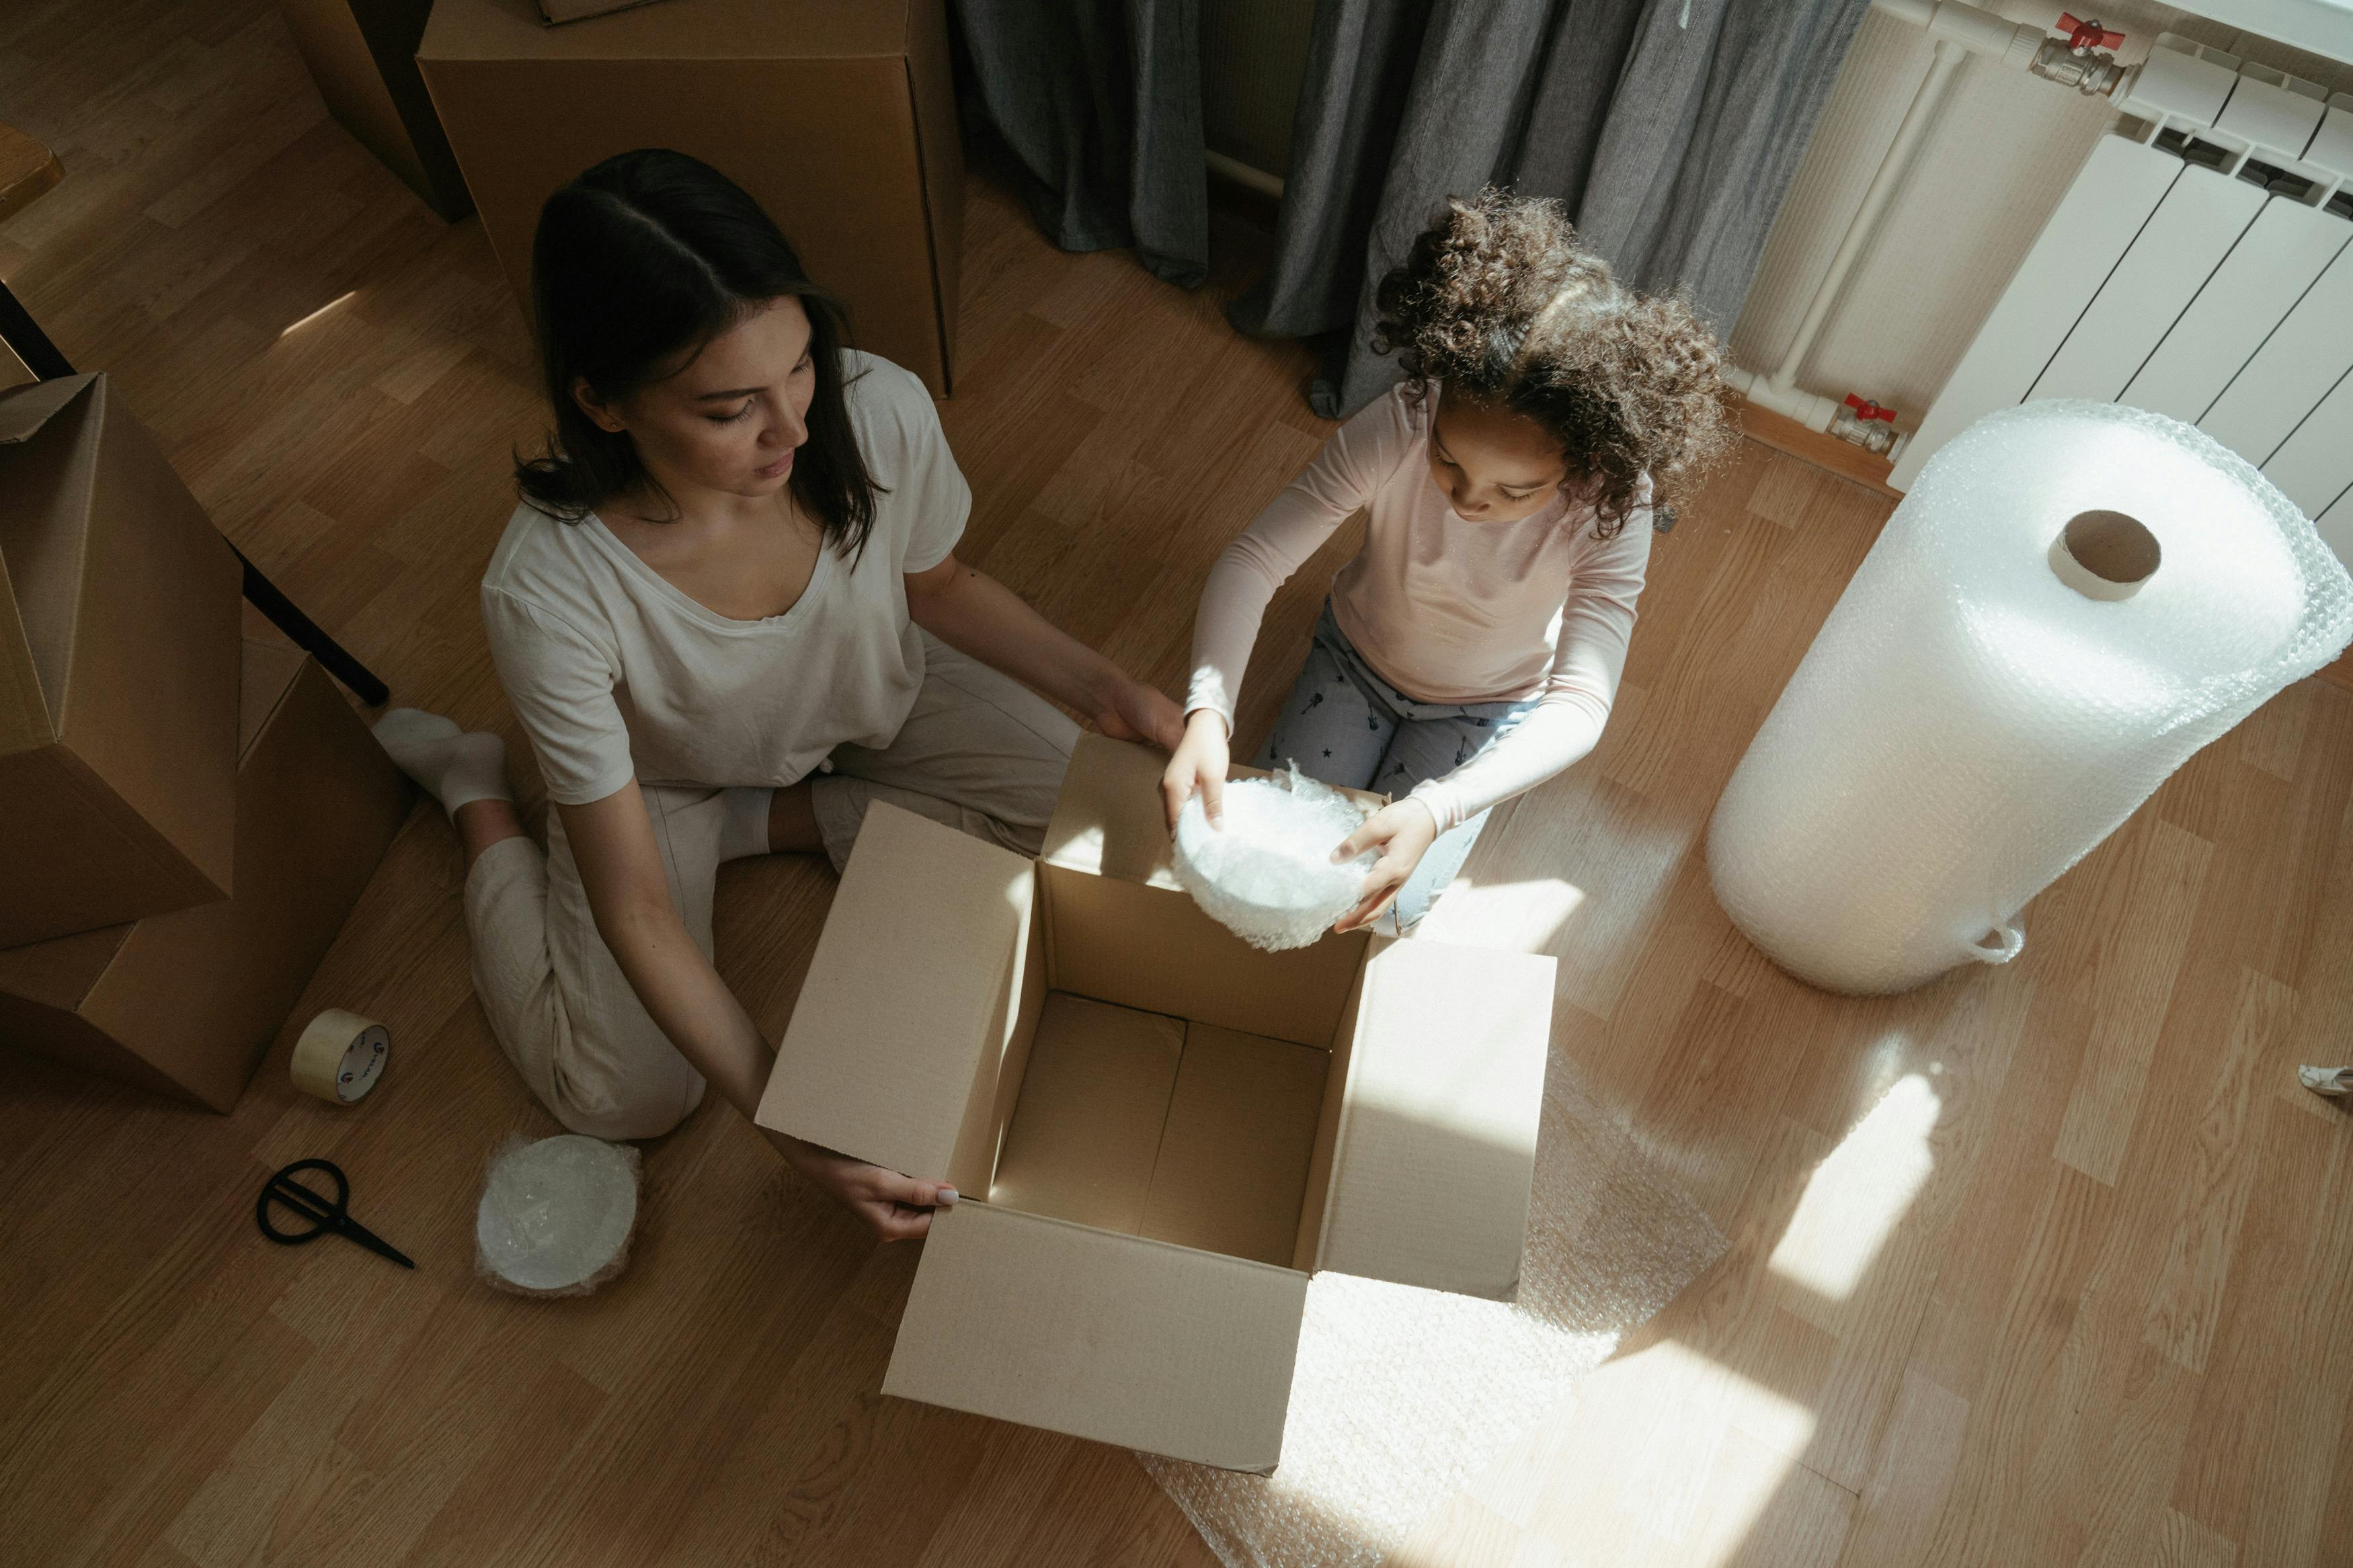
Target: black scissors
x,y
324,1213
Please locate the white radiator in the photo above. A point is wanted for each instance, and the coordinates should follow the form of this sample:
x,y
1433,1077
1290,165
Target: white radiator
x,y
2200,268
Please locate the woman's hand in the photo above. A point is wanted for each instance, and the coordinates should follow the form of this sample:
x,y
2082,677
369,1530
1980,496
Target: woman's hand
x,y
1403,832
894,1207
1131,710
975,613
1198,762
629,892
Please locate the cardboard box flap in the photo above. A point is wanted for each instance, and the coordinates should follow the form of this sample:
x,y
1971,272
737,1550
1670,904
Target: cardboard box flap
x,y
1436,1136
59,972
40,572
27,408
267,673
1109,821
908,1003
1107,1337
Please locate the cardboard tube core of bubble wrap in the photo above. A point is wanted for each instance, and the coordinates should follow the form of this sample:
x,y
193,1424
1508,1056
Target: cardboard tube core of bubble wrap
x,y
339,1056
2105,554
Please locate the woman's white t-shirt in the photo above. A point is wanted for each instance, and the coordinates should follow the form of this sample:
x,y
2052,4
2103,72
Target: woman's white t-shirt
x,y
616,674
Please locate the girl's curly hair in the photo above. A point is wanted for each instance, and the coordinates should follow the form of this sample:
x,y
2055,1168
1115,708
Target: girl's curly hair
x,y
1498,300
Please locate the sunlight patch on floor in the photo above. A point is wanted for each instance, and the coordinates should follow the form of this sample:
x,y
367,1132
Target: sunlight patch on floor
x,y
1855,1198
338,300
1692,1455
1699,1455
1521,916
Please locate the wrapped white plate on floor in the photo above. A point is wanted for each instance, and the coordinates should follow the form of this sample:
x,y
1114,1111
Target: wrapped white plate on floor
x,y
557,1214
1267,875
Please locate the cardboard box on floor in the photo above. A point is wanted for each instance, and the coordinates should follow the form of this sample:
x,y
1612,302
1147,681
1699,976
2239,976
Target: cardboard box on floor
x,y
118,671
187,1004
839,119
363,55
1161,1131
556,12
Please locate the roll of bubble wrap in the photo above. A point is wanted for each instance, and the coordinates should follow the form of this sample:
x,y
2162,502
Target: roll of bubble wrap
x,y
1985,704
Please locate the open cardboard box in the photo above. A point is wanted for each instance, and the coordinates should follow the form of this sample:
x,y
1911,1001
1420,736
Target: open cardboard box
x,y
1161,1130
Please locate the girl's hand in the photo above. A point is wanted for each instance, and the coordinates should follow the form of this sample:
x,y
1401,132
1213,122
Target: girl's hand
x,y
894,1207
1132,711
1403,833
1200,763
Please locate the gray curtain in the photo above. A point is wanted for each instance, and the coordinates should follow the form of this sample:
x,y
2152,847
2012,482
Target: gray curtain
x,y
1669,128
1101,102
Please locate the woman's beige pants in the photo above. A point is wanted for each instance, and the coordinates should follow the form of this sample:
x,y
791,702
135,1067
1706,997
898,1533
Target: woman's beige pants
x,y
980,753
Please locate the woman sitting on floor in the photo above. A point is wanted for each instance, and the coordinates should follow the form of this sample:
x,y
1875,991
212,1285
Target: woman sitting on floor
x,y
729,615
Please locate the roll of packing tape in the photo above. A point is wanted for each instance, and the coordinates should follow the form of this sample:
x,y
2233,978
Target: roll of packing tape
x,y
340,1055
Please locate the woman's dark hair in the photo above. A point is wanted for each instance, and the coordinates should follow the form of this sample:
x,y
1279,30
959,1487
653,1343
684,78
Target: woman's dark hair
x,y
636,266
1497,298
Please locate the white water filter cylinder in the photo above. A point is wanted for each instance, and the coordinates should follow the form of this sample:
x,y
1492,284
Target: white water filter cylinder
x,y
2072,599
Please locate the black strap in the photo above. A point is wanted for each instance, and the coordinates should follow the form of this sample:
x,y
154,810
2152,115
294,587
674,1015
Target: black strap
x,y
24,337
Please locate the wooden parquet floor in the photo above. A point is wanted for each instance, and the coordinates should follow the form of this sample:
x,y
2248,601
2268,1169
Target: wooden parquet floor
x,y
2048,1264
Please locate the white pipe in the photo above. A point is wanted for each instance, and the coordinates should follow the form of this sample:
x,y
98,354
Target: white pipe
x,y
1794,402
1960,30
1948,57
1243,175
1975,29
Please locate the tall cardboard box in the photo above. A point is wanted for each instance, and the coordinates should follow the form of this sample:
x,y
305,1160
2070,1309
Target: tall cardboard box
x,y
839,119
187,1004
1161,1131
363,55
118,671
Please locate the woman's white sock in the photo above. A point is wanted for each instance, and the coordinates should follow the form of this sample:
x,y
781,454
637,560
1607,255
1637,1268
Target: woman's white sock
x,y
744,827
454,766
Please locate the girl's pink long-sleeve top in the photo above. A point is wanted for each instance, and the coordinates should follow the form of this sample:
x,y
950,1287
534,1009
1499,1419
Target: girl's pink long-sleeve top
x,y
1443,609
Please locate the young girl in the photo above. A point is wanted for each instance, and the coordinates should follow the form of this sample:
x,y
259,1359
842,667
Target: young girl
x,y
1472,650
729,615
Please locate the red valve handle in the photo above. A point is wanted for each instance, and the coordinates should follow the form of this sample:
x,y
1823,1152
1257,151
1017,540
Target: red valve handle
x,y
1865,408
2089,35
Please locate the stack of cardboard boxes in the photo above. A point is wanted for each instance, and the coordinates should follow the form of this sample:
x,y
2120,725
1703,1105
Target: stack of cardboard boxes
x,y
185,817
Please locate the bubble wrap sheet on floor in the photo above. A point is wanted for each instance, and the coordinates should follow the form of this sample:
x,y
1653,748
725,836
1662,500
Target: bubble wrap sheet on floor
x,y
1402,1396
